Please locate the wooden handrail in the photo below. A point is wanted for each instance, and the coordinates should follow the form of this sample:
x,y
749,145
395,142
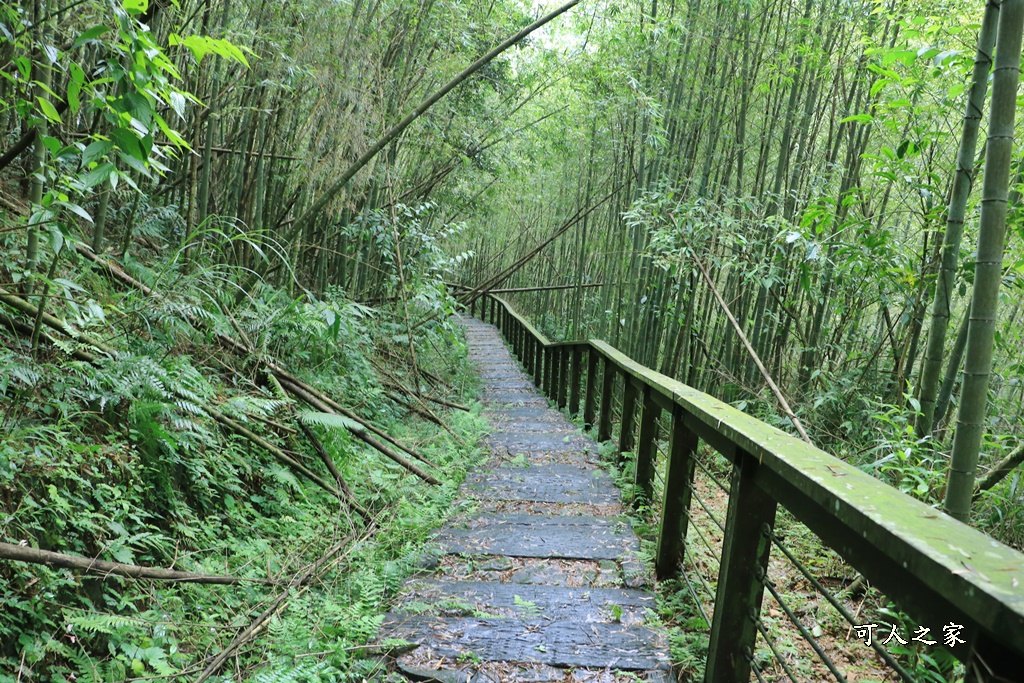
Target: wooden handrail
x,y
936,569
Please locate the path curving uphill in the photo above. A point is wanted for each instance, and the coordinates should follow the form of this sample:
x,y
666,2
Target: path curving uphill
x,y
541,581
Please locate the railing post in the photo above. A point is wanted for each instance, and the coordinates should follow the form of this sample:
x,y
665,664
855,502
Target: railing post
x,y
494,309
604,425
563,374
574,380
538,364
629,394
549,369
682,455
745,550
590,400
647,446
556,372
472,308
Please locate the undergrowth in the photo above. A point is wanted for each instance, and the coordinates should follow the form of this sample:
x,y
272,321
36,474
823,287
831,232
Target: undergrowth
x,y
120,459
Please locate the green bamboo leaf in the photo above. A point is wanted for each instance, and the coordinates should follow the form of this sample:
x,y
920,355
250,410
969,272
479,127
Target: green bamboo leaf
x,y
77,210
49,111
859,118
74,88
135,6
90,34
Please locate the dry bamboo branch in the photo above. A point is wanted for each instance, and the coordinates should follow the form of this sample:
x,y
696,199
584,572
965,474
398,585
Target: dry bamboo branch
x,y
329,463
25,307
280,373
21,553
276,452
359,434
1000,471
335,407
783,403
432,399
392,133
19,304
258,622
409,406
545,288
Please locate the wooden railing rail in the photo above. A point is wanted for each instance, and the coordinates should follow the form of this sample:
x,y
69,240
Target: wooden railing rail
x,y
936,569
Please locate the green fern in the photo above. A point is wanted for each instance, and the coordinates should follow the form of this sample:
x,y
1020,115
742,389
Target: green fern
x,y
330,421
100,622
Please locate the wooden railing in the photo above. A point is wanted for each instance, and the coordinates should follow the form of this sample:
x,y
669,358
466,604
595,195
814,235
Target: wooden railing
x,y
936,569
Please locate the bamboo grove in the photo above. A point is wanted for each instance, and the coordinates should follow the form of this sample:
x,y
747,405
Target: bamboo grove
x,y
828,165
225,322
234,236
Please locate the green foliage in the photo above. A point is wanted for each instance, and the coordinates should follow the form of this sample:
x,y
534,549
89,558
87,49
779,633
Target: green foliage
x,y
120,460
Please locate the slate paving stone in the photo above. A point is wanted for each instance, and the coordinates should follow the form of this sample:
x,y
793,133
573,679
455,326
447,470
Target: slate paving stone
x,y
519,398
547,575
542,441
543,484
541,536
512,385
555,643
553,427
521,413
582,605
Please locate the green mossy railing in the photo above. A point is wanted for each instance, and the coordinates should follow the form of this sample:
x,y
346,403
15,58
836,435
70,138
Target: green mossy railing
x,y
931,566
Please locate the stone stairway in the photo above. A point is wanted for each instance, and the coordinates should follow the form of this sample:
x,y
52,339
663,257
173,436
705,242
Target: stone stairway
x,y
540,581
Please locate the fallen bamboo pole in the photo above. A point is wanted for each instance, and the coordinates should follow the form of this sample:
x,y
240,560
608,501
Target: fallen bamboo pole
x,y
264,616
329,463
278,453
361,434
50,321
21,553
426,397
544,288
231,344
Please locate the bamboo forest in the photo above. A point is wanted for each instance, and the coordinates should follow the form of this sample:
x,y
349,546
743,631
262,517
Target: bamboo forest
x,y
475,341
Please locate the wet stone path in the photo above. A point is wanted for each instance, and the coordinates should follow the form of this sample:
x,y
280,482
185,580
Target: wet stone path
x,y
540,581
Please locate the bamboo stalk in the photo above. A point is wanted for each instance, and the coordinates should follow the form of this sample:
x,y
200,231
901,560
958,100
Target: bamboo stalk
x,y
264,616
1000,471
280,373
21,553
360,434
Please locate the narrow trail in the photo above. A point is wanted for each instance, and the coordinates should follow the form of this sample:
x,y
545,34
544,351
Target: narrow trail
x,y
540,580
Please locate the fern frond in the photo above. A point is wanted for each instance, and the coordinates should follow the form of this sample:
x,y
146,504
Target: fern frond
x,y
330,421
100,622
